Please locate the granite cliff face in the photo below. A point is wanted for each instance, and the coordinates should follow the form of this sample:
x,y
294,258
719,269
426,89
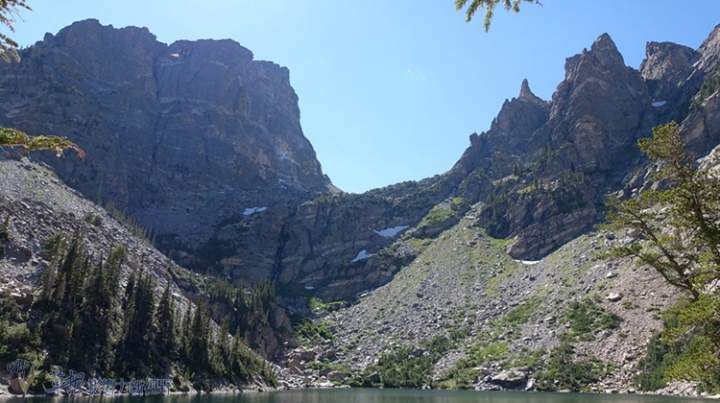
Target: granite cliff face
x,y
203,145
551,177
597,114
179,136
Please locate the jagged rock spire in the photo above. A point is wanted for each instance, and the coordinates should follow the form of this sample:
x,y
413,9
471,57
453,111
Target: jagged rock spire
x,y
526,94
606,52
525,90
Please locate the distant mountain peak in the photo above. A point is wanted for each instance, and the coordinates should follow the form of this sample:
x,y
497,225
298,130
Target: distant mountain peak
x,y
525,91
606,52
527,95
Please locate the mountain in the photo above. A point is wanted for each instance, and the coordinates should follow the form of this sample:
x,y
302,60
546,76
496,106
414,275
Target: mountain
x,y
515,294
179,136
80,289
200,144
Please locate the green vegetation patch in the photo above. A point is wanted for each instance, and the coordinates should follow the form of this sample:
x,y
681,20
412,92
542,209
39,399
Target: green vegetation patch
x,y
684,351
522,313
708,87
563,372
309,332
436,216
410,366
93,219
586,318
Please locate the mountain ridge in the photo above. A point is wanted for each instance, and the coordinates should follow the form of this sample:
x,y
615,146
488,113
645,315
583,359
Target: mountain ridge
x,y
541,170
530,188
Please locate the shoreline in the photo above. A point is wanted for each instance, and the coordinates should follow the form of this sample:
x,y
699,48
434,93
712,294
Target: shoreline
x,y
6,395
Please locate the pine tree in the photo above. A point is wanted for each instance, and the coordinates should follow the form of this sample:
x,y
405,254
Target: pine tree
x,y
222,352
165,339
64,274
53,251
115,260
680,224
198,340
185,330
678,227
138,338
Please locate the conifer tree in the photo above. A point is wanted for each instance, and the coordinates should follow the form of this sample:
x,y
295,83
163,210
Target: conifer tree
x,y
138,338
129,290
64,274
185,332
53,251
198,340
680,224
8,10
115,260
678,235
165,339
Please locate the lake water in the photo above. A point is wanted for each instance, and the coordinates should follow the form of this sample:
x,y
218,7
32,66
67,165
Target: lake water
x,y
387,396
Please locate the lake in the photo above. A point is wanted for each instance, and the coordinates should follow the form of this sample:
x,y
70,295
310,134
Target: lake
x,y
390,396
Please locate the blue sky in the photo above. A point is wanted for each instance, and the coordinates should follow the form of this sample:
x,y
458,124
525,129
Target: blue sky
x,y
390,90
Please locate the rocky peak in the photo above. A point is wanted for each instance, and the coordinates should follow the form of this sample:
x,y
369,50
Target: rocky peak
x,y
518,118
667,60
606,52
603,56
710,51
525,92
91,31
666,68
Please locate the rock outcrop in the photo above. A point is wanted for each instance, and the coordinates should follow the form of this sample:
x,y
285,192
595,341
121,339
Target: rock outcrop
x,y
550,177
179,136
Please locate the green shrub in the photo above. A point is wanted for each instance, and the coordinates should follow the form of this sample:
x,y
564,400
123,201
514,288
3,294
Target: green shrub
x,y
93,219
586,317
522,313
403,369
310,332
563,372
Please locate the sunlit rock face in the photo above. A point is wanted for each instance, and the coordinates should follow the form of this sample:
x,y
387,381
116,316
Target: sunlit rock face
x,y
180,136
553,163
202,145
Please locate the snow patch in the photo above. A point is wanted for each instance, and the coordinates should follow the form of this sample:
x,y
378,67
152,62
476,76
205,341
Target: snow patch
x,y
528,262
391,232
658,104
253,210
360,256
309,287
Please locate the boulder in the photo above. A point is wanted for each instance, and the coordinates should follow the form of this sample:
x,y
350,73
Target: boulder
x,y
336,376
509,378
614,297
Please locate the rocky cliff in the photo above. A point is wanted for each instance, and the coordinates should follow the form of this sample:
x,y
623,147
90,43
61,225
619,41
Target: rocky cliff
x,y
467,312
37,209
202,145
180,136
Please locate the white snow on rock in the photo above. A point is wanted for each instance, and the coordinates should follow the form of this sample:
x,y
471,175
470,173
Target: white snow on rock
x,y
528,262
658,104
309,287
391,232
253,210
360,256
